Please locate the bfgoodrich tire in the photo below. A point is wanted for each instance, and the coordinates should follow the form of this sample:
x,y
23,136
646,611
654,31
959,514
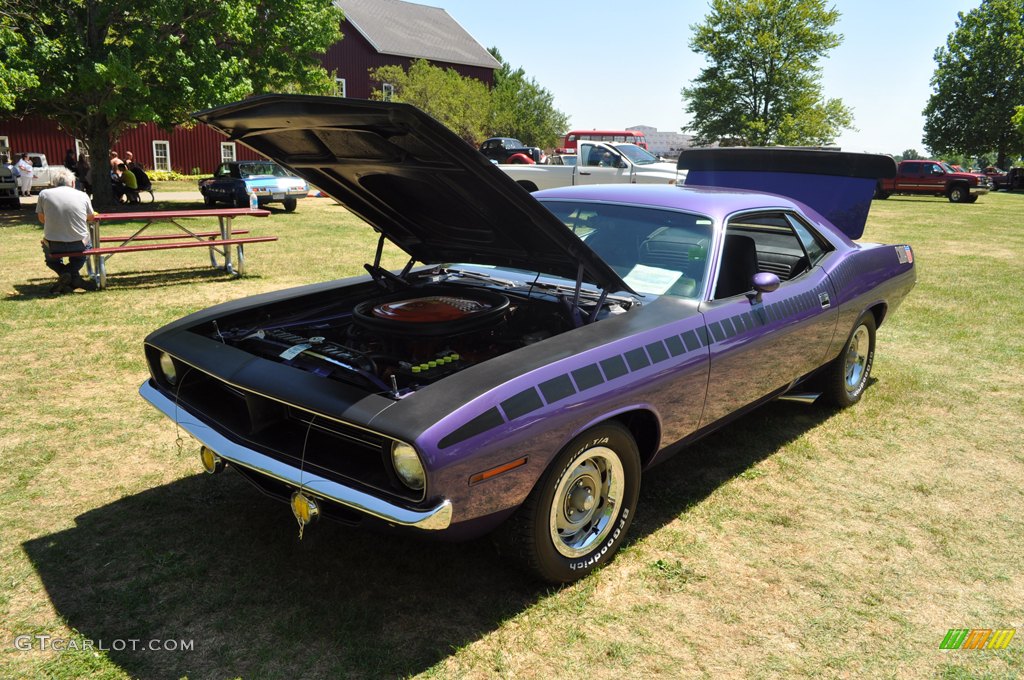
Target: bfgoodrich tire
x,y
847,375
578,514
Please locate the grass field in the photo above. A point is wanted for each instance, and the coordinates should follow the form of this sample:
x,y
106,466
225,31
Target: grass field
x,y
798,542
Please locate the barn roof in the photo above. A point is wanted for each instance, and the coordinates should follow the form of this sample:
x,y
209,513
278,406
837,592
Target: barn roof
x,y
409,30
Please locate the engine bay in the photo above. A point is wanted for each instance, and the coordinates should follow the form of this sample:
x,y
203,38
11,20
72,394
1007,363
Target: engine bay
x,y
397,339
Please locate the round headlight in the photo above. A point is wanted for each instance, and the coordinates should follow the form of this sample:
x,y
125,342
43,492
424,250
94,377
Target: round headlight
x,y
167,368
407,465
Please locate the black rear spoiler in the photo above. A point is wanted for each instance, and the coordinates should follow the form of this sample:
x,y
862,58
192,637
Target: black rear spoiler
x,y
839,185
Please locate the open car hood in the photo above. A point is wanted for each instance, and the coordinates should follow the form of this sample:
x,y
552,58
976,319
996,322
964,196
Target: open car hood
x,y
411,178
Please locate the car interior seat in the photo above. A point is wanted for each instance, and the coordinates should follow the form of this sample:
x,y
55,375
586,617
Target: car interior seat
x,y
738,266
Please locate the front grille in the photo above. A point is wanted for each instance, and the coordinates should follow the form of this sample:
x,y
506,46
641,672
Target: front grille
x,y
334,450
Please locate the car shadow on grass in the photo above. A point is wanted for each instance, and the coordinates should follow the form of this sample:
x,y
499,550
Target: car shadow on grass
x,y
212,561
697,470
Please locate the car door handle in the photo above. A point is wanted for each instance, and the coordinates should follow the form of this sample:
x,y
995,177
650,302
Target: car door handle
x,y
826,302
584,173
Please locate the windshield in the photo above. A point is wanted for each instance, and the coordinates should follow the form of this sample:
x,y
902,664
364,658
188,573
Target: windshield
x,y
656,251
636,154
945,166
256,169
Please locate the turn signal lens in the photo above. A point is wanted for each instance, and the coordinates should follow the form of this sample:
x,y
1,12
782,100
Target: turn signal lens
x,y
304,508
212,463
407,465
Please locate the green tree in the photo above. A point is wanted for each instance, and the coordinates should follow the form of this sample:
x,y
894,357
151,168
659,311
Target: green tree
x,y
979,83
910,155
461,103
763,84
103,67
15,73
521,108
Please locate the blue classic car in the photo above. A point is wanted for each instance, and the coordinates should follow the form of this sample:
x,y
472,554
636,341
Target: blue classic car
x,y
538,352
233,181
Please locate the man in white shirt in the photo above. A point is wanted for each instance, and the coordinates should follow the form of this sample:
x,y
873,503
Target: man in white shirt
x,y
24,166
65,214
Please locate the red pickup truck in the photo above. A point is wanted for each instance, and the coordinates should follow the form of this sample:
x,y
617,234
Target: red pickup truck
x,y
934,178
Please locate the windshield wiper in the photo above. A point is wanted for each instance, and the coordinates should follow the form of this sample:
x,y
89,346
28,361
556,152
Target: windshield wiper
x,y
483,277
589,294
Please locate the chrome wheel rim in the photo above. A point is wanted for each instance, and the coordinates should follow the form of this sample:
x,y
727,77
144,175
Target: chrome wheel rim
x,y
857,358
586,502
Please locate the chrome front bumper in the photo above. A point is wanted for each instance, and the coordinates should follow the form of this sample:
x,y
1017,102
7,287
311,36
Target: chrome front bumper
x,y
979,190
433,519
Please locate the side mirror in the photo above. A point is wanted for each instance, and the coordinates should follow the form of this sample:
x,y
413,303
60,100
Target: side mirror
x,y
622,164
764,282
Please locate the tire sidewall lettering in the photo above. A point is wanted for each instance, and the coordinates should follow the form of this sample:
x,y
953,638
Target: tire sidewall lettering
x,y
598,554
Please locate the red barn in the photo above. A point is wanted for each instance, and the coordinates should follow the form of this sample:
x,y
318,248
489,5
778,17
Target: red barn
x,y
376,33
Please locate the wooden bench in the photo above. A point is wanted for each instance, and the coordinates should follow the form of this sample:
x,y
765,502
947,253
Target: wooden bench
x,y
160,237
164,246
218,242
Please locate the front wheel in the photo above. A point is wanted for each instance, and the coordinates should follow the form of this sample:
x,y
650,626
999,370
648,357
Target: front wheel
x,y
848,374
578,514
958,194
207,199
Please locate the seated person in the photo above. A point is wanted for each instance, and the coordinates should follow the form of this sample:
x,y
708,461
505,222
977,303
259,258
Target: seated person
x,y
131,184
117,187
141,178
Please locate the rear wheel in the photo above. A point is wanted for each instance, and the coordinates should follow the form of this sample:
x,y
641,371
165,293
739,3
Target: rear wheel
x,y
578,514
958,194
847,375
290,204
879,193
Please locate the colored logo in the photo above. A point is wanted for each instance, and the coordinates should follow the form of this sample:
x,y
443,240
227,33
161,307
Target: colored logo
x,y
977,638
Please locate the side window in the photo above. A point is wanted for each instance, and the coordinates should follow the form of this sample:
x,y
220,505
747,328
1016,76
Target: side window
x,y
814,246
760,242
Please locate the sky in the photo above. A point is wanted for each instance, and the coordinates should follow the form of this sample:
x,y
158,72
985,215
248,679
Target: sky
x,y
881,70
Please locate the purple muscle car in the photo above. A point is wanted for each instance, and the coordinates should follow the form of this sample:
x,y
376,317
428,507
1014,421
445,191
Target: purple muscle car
x,y
538,352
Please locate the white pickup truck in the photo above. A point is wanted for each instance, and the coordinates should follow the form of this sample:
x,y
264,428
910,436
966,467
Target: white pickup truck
x,y
40,171
598,163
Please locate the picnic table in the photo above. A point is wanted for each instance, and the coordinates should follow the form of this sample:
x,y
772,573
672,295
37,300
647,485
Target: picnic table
x,y
219,242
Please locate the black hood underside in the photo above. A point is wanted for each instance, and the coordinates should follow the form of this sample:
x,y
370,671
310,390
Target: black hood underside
x,y
412,179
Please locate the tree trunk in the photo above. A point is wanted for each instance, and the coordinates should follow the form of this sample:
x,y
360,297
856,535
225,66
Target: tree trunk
x,y
97,143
